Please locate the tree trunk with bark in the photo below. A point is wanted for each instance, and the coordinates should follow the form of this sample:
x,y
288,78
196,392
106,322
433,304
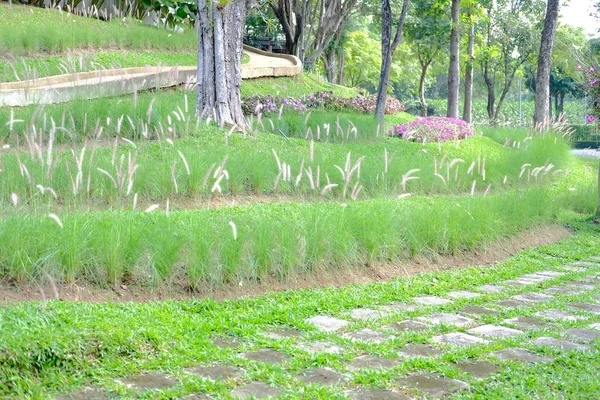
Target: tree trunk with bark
x,y
468,105
387,52
542,79
454,67
220,47
424,66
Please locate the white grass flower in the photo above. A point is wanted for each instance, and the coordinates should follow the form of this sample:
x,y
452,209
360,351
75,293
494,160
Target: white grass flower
x,y
14,198
56,219
152,208
233,229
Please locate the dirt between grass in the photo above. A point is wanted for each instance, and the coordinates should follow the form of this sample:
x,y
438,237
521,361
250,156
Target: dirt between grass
x,y
497,251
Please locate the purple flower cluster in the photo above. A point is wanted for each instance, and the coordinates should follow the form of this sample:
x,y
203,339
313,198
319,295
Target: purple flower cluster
x,y
433,129
327,99
592,75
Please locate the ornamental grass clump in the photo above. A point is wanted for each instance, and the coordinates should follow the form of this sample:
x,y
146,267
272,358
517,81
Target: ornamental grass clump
x,y
432,129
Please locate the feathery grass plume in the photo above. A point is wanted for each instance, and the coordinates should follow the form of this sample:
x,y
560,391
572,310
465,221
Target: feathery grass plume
x,y
14,199
473,188
408,177
56,219
233,229
153,207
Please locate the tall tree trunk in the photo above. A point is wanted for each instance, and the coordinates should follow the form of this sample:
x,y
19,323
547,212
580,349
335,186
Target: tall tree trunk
x,y
561,104
542,79
220,47
468,105
556,112
491,93
340,65
549,108
424,67
329,63
387,52
454,67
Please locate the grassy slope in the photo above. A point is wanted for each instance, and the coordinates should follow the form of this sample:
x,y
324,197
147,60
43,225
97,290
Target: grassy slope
x,y
59,346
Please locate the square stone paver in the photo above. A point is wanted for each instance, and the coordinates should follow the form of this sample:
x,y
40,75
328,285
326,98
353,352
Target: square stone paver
x,y
447,319
592,308
419,350
259,390
269,356
512,304
520,282
84,394
551,273
520,355
478,311
458,339
367,335
536,277
327,324
584,286
477,368
433,385
532,297
495,331
195,397
409,326
595,326
431,300
573,269
281,333
150,381
463,294
526,323
492,289
321,347
559,344
375,394
583,335
216,372
395,307
226,342
563,290
321,376
367,361
366,314
558,315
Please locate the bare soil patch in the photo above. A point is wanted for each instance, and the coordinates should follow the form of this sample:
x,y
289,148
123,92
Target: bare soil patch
x,y
379,272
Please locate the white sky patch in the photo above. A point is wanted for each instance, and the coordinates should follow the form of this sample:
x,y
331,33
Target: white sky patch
x,y
577,13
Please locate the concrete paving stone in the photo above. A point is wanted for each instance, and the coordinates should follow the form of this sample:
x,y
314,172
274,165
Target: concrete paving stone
x,y
431,300
586,263
591,308
367,361
495,331
281,333
395,307
573,269
226,342
269,356
150,381
463,294
478,311
526,323
327,324
375,394
258,390
583,335
519,282
458,339
551,273
87,393
595,326
560,344
584,286
321,376
536,277
321,347
520,355
511,303
419,350
434,386
591,278
216,372
447,319
532,297
366,314
563,290
367,335
477,369
558,315
196,397
491,289
409,326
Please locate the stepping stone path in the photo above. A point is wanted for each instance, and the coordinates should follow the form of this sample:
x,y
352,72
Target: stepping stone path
x,y
495,331
216,372
85,394
592,308
583,286
394,307
149,381
327,324
321,376
526,323
478,311
195,397
434,386
259,390
269,356
520,282
560,344
583,335
551,273
419,350
366,314
431,300
520,355
458,339
492,289
477,369
375,394
367,335
447,319
409,326
282,333
367,361
558,315
573,269
509,303
321,347
463,294
563,290
532,297
226,342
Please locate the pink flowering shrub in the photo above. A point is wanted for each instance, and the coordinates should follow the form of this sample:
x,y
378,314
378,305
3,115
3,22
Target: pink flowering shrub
x,y
593,89
432,129
266,104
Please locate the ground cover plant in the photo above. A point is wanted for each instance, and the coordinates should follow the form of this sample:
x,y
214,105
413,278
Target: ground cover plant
x,y
432,129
